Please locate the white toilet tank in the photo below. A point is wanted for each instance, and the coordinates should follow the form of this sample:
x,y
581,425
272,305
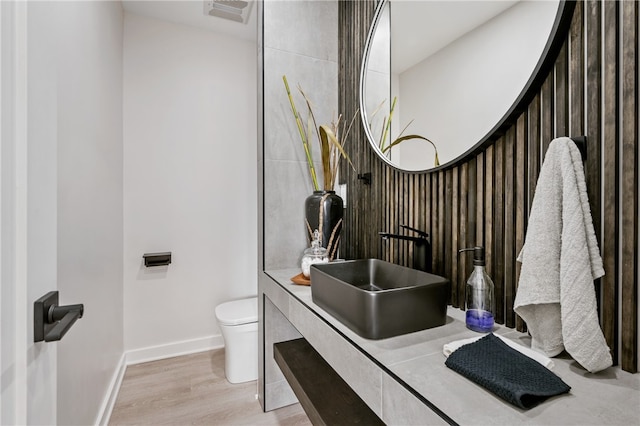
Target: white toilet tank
x,y
238,321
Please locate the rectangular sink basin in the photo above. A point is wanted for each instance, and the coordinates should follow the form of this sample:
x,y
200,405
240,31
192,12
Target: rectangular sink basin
x,y
378,299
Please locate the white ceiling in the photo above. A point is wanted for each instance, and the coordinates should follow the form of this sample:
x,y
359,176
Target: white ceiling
x,y
428,26
191,12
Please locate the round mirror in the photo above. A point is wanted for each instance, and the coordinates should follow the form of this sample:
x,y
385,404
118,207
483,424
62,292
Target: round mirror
x,y
440,77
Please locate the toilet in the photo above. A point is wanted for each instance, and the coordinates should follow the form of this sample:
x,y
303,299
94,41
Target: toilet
x,y
238,321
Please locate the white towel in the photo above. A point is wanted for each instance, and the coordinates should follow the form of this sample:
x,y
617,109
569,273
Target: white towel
x,y
560,259
451,347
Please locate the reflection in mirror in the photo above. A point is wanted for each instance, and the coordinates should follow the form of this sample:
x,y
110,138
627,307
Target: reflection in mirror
x,y
447,72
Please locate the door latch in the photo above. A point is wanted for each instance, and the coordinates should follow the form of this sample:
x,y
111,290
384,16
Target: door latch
x,y
50,321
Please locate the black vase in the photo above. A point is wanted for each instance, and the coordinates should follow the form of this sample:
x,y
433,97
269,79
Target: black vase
x,y
323,211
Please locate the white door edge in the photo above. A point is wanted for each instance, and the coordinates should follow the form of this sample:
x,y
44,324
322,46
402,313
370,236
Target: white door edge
x,y
14,309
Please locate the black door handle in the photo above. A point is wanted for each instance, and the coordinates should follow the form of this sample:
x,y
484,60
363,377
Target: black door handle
x,y
50,321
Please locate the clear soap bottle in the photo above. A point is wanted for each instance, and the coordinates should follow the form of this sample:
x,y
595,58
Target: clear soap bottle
x,y
314,254
479,291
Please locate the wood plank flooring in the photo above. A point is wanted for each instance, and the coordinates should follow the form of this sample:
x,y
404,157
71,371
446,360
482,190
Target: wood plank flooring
x,y
192,389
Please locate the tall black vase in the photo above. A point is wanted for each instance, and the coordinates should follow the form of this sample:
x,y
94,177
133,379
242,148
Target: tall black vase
x,y
323,211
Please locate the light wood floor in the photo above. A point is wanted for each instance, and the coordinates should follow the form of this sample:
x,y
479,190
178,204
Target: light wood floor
x,y
192,389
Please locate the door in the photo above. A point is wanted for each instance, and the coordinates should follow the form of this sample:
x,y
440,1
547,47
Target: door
x,y
28,210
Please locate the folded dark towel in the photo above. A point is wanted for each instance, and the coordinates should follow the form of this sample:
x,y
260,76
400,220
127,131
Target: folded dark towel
x,y
512,376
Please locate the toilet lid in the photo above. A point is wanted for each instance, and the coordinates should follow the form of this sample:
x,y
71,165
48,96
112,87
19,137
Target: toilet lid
x,y
238,312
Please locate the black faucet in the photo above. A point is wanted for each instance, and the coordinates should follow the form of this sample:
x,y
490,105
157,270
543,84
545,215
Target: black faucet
x,y
421,247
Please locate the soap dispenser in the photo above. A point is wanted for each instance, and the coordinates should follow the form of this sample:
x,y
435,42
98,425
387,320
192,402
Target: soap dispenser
x,y
480,308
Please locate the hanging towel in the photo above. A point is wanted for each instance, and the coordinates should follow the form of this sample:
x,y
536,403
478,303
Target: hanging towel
x,y
451,347
506,372
560,259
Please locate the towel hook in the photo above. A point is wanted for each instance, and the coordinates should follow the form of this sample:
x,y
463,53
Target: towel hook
x,y
581,143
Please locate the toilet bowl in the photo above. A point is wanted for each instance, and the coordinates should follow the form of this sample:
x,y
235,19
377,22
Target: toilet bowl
x,y
238,321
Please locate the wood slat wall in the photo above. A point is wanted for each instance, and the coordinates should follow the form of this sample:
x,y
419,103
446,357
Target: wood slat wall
x,y
593,91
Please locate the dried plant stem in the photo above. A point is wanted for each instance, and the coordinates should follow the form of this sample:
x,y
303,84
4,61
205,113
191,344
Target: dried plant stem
x,y
312,116
436,161
303,137
386,128
386,125
330,138
342,142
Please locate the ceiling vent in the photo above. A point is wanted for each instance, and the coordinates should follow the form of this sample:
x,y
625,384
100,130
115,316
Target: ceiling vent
x,y
234,10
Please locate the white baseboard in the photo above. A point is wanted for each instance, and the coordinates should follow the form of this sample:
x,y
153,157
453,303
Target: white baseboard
x,y
112,393
170,350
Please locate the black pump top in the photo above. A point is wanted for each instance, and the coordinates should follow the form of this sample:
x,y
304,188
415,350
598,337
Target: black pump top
x,y
478,255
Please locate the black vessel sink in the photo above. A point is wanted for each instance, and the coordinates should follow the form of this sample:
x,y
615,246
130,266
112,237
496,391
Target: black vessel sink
x,y
378,299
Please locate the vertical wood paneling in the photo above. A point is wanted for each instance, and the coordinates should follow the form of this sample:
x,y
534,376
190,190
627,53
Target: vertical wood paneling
x,y
592,90
576,75
471,202
498,229
509,236
593,101
463,220
489,211
431,214
424,220
547,110
629,185
455,243
534,160
447,234
480,194
561,95
441,244
520,201
610,195
354,22
390,210
593,108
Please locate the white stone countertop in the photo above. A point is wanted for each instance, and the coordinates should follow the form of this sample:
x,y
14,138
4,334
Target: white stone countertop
x,y
610,397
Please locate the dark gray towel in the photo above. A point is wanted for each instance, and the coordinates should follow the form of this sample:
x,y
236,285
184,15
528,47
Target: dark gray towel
x,y
512,376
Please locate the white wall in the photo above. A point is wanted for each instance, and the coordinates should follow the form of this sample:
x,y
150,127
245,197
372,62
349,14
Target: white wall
x,y
459,102
377,81
189,182
90,225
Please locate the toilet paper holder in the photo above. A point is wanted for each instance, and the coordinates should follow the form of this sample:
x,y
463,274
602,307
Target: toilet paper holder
x,y
157,259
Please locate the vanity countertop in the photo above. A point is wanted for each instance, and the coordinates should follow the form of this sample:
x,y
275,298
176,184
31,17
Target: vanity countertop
x,y
416,360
